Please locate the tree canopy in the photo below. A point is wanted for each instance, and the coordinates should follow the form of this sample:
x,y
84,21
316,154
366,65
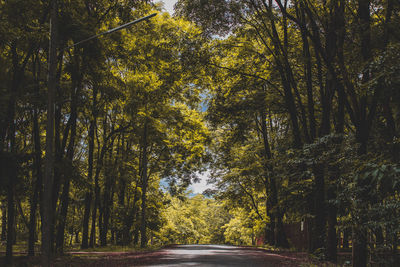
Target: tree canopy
x,y
292,106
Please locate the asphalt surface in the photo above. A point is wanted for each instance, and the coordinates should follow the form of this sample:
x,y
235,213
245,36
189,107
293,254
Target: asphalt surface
x,y
220,255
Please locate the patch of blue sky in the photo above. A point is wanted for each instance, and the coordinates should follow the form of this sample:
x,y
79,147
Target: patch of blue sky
x,y
169,5
195,188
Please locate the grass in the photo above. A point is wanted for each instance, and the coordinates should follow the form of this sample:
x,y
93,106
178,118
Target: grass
x,y
20,257
22,248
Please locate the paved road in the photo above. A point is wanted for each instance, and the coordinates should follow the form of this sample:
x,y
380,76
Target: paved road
x,y
220,255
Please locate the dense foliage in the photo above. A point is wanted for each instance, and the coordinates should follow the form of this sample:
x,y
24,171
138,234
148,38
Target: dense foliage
x,y
293,105
127,114
304,109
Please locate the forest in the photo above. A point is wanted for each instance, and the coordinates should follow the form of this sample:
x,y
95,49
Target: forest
x,y
292,106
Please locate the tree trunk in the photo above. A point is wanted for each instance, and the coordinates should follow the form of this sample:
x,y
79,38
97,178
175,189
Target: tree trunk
x,y
280,235
37,161
77,237
3,222
86,216
89,195
132,216
331,242
102,232
100,161
108,196
11,205
346,238
121,203
360,251
276,234
59,148
308,78
144,182
67,178
38,185
319,229
49,159
92,239
77,76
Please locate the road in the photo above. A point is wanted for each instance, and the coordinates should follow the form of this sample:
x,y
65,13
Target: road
x,y
220,255
186,255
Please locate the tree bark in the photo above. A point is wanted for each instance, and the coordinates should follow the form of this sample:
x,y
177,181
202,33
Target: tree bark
x,y
11,203
360,251
275,228
144,183
308,78
107,197
75,90
121,203
346,238
49,159
319,229
89,195
331,239
3,222
59,148
100,163
37,186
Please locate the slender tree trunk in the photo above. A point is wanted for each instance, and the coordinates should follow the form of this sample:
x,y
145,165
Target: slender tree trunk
x,y
92,239
67,180
77,237
280,235
331,242
270,227
388,19
319,207
108,196
103,206
308,78
59,148
89,195
360,250
75,91
100,161
132,217
49,159
38,184
11,204
121,203
38,169
346,238
136,234
102,232
86,216
275,227
144,182
3,222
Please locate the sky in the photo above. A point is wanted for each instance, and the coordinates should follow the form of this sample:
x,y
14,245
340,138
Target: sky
x,y
198,188
169,5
